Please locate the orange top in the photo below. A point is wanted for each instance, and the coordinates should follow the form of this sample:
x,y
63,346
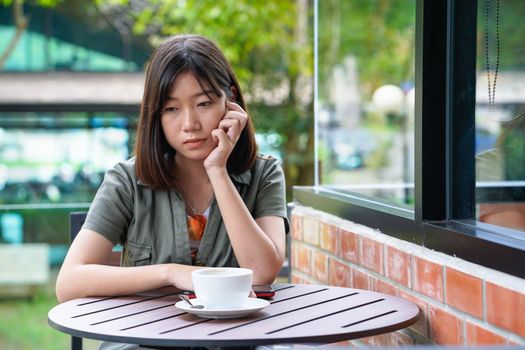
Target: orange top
x,y
196,225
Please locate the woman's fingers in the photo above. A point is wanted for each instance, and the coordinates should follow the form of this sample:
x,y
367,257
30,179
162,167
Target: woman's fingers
x,y
234,111
222,139
232,106
232,128
226,135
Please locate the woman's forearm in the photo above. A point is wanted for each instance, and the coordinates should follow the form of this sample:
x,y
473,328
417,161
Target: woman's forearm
x,y
101,280
253,248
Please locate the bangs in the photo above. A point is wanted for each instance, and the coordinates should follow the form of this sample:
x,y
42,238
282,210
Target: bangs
x,y
208,80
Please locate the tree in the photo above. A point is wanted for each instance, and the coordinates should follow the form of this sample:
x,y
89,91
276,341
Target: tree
x,y
21,22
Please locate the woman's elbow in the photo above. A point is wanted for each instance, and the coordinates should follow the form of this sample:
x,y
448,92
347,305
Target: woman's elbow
x,y
61,290
267,274
64,288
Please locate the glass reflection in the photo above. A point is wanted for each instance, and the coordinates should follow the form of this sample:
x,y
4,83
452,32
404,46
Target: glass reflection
x,y
500,114
366,98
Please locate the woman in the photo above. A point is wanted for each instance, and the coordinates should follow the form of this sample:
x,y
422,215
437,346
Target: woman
x,y
195,194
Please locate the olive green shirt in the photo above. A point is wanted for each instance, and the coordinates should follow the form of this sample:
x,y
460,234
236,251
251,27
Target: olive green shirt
x,y
151,225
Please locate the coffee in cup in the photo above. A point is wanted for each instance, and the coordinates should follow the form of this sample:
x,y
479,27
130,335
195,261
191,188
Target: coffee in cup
x,y
222,287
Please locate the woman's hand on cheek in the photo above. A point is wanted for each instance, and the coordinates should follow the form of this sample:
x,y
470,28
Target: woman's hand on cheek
x,y
226,135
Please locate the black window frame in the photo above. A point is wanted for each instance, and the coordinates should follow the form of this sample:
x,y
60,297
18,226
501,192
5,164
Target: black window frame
x,y
444,179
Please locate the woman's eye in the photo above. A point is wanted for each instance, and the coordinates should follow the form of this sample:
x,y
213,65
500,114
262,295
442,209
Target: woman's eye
x,y
169,110
204,104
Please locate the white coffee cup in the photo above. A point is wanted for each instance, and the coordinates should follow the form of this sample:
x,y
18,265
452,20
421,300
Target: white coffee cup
x,y
222,287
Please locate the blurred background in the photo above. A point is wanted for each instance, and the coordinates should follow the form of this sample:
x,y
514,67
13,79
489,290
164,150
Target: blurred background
x,y
71,80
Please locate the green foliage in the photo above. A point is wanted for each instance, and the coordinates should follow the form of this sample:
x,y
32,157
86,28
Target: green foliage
x,y
256,36
379,36
511,34
43,3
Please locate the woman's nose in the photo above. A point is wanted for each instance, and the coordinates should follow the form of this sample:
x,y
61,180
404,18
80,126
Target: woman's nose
x,y
190,120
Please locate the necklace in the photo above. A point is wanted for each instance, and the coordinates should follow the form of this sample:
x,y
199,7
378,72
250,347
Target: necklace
x,y
191,209
196,220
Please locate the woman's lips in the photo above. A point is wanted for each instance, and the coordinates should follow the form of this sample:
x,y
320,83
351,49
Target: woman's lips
x,y
194,143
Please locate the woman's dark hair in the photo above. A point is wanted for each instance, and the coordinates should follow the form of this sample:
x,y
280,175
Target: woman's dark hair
x,y
180,54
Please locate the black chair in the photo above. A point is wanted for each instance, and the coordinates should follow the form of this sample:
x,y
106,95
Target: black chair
x,y
76,220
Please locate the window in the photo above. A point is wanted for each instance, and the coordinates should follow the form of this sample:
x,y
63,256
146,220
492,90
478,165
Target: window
x,y
52,163
58,157
68,38
365,114
37,52
450,129
500,115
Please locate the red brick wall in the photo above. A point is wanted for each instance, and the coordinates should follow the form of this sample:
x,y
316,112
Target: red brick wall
x,y
461,303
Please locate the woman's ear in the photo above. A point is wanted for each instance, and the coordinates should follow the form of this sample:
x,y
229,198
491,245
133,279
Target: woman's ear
x,y
231,93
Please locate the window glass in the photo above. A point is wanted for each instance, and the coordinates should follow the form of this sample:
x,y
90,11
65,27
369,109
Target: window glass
x,y
500,114
58,158
52,164
37,52
365,115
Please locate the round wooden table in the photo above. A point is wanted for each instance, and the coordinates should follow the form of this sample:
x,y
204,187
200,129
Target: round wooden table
x,y
296,314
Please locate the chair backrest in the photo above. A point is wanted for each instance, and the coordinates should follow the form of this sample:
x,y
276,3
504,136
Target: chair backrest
x,y
76,220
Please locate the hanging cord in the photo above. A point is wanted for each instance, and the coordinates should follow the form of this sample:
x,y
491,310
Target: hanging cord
x,y
492,84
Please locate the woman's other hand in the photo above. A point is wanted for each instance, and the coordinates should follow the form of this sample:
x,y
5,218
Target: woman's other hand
x,y
226,135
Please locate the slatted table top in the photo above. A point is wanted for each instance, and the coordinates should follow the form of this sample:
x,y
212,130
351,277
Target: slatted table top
x,y
296,314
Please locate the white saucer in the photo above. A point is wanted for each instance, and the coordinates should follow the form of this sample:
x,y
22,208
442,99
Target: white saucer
x,y
251,305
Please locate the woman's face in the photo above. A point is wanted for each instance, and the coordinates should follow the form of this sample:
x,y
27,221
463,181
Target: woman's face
x,y
189,116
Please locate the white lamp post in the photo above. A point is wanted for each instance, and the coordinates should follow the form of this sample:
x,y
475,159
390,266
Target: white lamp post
x,y
388,99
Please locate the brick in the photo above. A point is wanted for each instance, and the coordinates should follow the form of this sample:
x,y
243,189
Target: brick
x,y
293,254
371,255
311,231
445,328
421,326
399,339
376,340
464,292
302,258
340,274
481,336
383,286
320,271
505,308
359,279
397,266
329,237
349,246
299,279
296,279
297,227
428,278
338,345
